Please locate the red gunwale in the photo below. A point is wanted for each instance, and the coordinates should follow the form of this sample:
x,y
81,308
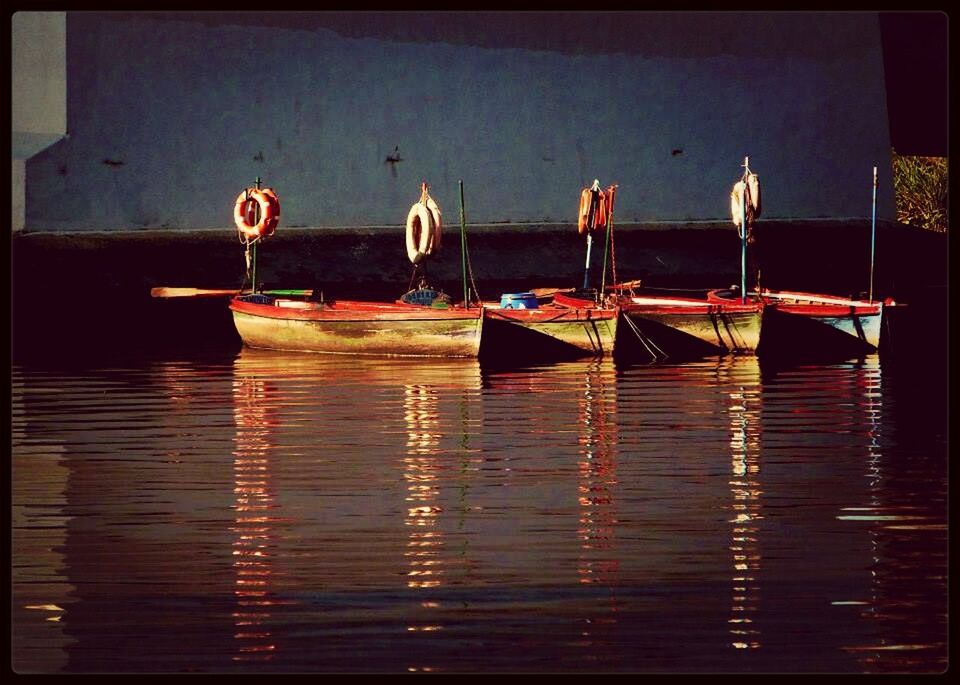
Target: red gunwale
x,y
823,306
562,308
356,310
551,314
685,305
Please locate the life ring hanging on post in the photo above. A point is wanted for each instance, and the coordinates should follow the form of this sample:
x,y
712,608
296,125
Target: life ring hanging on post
x,y
420,230
434,208
245,210
271,226
745,192
595,208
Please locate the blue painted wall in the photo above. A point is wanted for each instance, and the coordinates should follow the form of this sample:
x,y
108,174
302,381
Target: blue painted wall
x,y
168,119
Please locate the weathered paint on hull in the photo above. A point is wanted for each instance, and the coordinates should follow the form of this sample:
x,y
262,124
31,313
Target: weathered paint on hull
x,y
795,334
820,325
866,329
668,327
549,332
449,337
719,332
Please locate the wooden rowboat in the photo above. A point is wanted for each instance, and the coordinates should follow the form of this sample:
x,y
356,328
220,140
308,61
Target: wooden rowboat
x,y
815,324
560,327
677,327
357,327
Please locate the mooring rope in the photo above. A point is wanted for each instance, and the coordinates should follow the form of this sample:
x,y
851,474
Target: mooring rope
x,y
466,250
646,342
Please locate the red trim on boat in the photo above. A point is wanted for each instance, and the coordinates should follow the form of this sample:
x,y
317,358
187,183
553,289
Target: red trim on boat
x,y
354,310
657,304
806,304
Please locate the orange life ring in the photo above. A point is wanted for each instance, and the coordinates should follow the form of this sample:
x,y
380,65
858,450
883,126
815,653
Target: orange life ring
x,y
420,230
584,211
244,217
271,226
601,211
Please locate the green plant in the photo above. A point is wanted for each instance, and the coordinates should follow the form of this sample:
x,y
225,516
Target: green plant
x,y
920,188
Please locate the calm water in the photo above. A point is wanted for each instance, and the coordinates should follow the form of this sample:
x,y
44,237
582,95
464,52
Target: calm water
x,y
284,512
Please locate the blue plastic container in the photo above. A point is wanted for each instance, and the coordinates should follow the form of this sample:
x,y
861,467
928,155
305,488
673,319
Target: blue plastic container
x,y
518,301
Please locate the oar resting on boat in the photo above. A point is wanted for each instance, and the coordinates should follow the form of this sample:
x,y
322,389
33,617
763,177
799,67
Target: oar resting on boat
x,y
168,292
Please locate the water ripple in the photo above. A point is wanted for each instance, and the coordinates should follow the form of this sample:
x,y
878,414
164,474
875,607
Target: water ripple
x,y
283,512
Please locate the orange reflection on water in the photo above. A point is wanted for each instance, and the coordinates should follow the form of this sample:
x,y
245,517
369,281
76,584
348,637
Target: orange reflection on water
x,y
745,489
425,541
420,471
596,479
253,500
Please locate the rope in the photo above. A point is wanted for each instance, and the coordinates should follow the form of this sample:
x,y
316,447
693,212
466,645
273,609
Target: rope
x,y
473,283
644,340
613,251
246,242
413,277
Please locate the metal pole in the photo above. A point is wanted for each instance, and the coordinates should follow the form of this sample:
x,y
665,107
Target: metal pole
x,y
591,220
586,274
253,255
606,249
253,263
873,230
463,247
743,233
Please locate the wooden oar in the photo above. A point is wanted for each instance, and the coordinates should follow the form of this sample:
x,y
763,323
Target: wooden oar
x,y
217,292
191,292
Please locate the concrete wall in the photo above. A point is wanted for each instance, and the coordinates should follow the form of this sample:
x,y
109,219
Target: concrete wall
x,y
39,94
17,192
170,119
38,72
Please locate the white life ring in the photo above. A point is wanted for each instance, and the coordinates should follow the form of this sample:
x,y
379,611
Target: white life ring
x,y
751,189
420,231
437,223
736,203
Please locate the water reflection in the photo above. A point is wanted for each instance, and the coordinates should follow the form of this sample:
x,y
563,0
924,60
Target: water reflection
x,y
301,513
255,538
430,480
598,562
420,471
743,411
896,532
